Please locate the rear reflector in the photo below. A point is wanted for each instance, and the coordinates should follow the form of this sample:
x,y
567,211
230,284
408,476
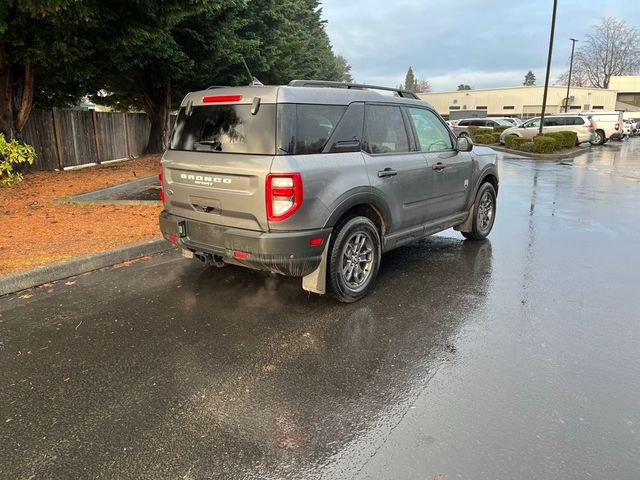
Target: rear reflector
x,y
160,179
172,239
316,241
221,98
241,255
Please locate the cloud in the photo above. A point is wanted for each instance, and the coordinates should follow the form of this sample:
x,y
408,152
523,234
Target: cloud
x,y
482,43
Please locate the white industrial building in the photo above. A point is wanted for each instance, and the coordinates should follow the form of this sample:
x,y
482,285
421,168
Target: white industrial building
x,y
526,102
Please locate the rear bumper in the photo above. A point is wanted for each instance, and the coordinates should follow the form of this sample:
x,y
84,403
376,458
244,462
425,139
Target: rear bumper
x,y
287,253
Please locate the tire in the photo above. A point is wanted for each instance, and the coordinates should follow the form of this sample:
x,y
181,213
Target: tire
x,y
354,259
599,138
484,213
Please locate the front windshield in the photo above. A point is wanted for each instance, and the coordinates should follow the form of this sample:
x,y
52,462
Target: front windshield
x,y
534,122
505,123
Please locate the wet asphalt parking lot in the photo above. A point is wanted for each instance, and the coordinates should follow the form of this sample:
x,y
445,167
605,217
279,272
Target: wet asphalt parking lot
x,y
517,357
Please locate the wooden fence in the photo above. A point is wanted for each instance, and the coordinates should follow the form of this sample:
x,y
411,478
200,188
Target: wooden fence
x,y
66,138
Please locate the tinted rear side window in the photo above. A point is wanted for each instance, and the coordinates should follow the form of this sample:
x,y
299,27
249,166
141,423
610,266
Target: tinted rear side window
x,y
384,130
226,129
314,125
554,121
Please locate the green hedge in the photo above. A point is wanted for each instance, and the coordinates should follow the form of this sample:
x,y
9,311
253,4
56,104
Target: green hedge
x,y
564,139
518,141
499,129
526,146
508,140
544,144
483,139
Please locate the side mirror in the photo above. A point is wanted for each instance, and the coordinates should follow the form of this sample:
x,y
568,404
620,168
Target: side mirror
x,y
464,144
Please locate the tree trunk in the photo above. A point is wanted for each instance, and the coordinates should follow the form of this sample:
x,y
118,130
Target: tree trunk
x,y
16,94
157,104
24,101
6,95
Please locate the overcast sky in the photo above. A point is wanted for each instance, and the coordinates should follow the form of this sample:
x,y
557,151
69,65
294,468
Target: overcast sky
x,y
483,43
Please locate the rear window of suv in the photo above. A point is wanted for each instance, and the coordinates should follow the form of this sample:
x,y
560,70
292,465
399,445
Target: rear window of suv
x,y
226,129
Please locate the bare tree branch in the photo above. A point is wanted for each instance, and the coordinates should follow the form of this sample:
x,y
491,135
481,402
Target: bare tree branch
x,y
612,49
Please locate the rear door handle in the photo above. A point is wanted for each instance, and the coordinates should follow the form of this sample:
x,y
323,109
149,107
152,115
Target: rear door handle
x,y
438,167
387,172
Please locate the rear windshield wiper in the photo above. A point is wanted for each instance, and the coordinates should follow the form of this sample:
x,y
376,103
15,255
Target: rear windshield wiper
x,y
211,143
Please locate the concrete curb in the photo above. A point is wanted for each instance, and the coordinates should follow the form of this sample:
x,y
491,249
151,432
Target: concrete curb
x,y
95,197
542,156
15,282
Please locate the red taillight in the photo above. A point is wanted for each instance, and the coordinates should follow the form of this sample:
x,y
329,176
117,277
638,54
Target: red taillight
x,y
283,195
241,255
221,98
590,125
172,239
160,179
618,126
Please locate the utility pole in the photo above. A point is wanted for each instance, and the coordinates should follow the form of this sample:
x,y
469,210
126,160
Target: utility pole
x,y
573,46
546,80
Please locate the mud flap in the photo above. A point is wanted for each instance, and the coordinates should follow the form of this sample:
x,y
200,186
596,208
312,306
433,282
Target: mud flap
x,y
316,281
467,225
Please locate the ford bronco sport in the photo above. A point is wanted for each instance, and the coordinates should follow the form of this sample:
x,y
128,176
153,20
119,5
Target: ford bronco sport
x,y
317,180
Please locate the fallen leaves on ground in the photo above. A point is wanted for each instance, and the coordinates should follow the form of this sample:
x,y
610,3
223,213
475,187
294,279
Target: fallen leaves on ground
x,y
37,231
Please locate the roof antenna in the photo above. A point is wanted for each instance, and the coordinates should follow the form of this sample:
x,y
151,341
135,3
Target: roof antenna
x,y
254,81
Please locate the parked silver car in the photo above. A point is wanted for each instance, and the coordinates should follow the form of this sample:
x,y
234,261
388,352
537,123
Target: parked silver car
x,y
317,180
462,127
582,125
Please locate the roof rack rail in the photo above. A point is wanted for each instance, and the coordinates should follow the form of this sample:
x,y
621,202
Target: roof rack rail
x,y
358,86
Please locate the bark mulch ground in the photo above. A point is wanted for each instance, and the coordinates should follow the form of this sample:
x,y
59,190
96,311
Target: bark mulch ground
x,y
38,231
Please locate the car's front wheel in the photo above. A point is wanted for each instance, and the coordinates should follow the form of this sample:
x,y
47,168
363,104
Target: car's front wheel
x,y
354,259
484,213
598,138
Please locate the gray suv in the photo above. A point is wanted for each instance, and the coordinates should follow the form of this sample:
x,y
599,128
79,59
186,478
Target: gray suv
x,y
317,180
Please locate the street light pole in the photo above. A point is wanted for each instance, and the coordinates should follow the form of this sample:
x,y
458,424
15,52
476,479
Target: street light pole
x,y
573,46
546,80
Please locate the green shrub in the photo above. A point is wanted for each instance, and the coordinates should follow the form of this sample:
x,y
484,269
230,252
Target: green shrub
x,y
500,129
544,144
472,130
508,140
495,137
565,139
526,146
517,141
570,139
14,155
483,139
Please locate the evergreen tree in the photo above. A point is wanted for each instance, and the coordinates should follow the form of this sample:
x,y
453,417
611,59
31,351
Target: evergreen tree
x,y
409,80
529,79
464,86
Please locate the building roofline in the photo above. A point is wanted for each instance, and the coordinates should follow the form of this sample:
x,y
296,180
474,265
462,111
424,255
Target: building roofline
x,y
516,87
